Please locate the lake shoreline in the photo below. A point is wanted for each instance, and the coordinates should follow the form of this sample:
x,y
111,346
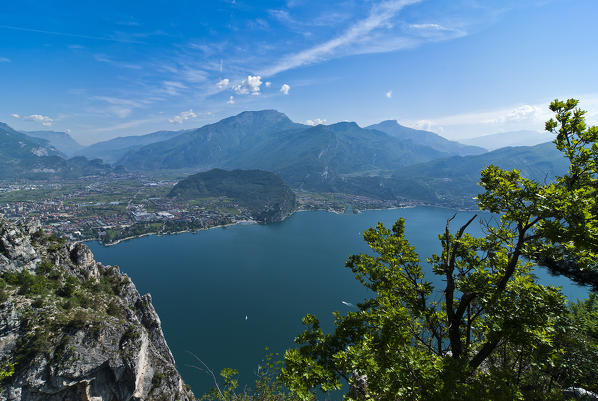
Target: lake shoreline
x,y
242,222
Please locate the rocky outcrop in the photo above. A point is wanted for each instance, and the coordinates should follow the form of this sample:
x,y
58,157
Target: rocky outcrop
x,y
74,329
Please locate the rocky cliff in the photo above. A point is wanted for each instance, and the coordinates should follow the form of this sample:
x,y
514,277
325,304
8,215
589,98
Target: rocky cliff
x,y
74,329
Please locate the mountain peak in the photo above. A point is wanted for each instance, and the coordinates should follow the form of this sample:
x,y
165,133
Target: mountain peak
x,y
344,125
264,114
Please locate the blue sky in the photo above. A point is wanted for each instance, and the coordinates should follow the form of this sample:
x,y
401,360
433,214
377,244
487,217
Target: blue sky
x,y
461,68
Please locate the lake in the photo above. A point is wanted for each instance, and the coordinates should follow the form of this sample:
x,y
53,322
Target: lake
x,y
227,293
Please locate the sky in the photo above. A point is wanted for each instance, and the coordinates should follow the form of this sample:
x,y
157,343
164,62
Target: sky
x,y
460,68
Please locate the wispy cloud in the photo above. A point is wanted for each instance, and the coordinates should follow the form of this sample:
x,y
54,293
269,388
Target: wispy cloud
x,y
105,59
118,101
72,35
388,94
128,124
231,100
173,87
5,60
531,116
15,115
285,88
379,17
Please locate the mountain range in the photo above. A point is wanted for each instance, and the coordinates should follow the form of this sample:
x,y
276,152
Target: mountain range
x,y
23,156
310,157
385,160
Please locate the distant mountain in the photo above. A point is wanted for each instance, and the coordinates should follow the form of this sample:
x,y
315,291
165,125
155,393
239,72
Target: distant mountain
x,y
17,146
426,138
62,141
264,194
456,179
511,138
304,156
112,150
23,156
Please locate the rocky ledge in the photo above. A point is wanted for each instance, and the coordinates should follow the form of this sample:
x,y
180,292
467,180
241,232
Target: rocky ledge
x,y
74,329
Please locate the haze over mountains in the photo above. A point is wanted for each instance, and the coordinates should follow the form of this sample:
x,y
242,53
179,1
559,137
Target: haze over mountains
x,y
62,141
512,138
114,149
427,138
23,156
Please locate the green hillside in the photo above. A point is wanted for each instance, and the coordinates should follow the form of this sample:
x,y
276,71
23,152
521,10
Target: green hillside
x,y
264,194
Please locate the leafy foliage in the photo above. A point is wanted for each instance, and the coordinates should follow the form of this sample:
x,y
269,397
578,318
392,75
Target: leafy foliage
x,y
491,332
267,385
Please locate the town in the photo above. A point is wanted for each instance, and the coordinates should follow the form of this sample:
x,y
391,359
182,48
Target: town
x,y
110,209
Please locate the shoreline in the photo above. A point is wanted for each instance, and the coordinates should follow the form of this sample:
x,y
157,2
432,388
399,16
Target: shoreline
x,y
242,222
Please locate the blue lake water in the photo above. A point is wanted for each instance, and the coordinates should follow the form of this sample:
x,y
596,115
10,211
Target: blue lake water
x,y
227,293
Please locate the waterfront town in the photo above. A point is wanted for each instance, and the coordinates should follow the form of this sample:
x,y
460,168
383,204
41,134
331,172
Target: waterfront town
x,y
110,209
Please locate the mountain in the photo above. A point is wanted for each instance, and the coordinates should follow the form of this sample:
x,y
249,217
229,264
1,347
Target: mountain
x,y
74,329
213,145
315,157
112,150
304,156
264,194
511,138
22,156
426,138
62,141
455,179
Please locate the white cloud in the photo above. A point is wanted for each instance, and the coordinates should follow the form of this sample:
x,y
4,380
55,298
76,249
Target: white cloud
x,y
389,94
223,84
251,85
15,115
231,100
284,89
316,121
68,131
268,84
4,60
44,120
183,116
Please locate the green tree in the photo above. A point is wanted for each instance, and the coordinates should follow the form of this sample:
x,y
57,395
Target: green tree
x,y
492,332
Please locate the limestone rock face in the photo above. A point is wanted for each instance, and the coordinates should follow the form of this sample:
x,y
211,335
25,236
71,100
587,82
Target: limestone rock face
x,y
85,334
16,251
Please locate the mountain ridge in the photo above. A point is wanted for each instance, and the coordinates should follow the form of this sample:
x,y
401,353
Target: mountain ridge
x,y
428,138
